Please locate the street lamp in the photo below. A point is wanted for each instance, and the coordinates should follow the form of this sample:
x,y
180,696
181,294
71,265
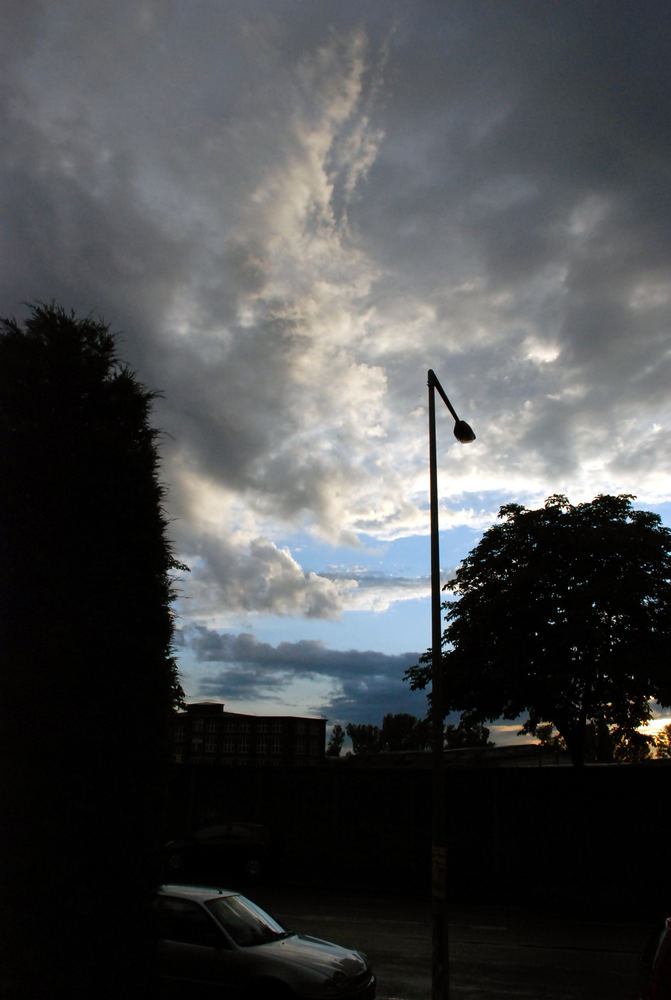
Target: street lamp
x,y
440,938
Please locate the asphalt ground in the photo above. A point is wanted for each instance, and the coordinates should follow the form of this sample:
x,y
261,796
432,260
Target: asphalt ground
x,y
496,951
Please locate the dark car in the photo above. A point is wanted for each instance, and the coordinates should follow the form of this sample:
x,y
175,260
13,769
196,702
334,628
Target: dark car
x,y
230,849
656,975
213,942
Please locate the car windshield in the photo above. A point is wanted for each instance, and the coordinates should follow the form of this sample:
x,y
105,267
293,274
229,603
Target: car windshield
x,y
246,922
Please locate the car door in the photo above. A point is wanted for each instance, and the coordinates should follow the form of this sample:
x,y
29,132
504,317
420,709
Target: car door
x,y
193,951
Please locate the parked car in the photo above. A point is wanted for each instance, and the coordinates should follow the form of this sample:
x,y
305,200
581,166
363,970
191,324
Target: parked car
x,y
228,849
217,942
656,974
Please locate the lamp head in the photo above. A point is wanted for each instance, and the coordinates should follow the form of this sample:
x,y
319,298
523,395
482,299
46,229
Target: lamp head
x,y
463,432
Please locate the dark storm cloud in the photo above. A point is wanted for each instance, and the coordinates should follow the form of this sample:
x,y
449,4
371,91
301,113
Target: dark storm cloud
x,y
544,140
307,657
369,699
365,684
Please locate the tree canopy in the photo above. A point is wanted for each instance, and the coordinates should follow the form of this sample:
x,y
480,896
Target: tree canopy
x,y
562,615
364,736
400,731
467,734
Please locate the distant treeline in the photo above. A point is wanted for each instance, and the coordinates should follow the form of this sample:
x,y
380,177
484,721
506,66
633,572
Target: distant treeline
x,y
406,732
402,731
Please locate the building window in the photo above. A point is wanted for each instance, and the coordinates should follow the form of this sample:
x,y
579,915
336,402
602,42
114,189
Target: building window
x,y
276,746
211,744
198,726
211,726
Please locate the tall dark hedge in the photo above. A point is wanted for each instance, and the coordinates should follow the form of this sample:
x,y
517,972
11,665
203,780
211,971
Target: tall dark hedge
x,y
87,679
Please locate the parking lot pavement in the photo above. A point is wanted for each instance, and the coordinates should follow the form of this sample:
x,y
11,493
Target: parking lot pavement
x,y
496,952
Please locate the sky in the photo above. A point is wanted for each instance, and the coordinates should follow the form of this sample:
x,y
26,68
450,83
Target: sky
x,y
288,211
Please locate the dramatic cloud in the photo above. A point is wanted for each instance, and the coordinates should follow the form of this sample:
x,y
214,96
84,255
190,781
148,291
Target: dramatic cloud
x,y
362,685
291,211
262,577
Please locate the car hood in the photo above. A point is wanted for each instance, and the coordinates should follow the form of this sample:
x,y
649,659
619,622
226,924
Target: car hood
x,y
316,956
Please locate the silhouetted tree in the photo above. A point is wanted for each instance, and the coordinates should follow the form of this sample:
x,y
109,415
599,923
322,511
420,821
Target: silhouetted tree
x,y
404,732
336,741
88,680
548,737
466,734
399,732
564,615
631,747
365,738
601,743
662,743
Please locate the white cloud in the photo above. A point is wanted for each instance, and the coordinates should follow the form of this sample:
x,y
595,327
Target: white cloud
x,y
258,577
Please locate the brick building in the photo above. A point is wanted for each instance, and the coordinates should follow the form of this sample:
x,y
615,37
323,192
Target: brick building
x,y
206,734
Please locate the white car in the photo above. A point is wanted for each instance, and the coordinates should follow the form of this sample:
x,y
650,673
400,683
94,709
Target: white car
x,y
217,943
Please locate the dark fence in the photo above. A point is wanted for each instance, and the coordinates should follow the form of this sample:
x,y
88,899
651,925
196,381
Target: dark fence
x,y
597,835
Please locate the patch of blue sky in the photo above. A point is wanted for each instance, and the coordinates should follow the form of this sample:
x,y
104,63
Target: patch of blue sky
x,y
400,558
663,509
405,627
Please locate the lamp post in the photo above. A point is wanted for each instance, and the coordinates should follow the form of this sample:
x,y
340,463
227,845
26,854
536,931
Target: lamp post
x,y
440,935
